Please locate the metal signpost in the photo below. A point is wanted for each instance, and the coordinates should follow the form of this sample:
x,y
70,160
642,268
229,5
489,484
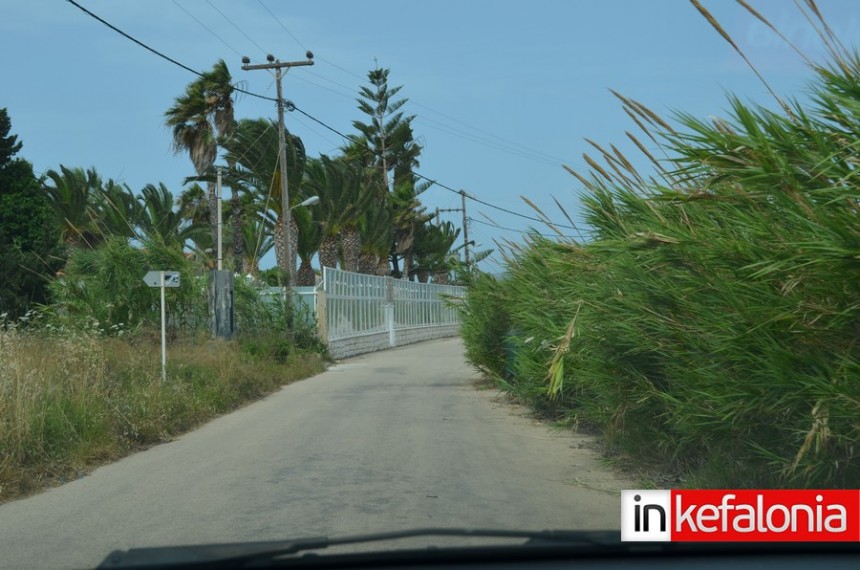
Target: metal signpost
x,y
162,279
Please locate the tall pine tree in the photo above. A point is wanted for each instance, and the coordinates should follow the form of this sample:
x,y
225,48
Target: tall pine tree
x,y
386,142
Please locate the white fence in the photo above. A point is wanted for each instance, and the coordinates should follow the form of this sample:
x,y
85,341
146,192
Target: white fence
x,y
363,313
304,301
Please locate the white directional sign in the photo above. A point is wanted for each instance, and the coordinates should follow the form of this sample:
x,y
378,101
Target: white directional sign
x,y
162,279
153,278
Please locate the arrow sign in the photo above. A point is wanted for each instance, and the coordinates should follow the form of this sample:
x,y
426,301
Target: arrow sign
x,y
153,278
162,279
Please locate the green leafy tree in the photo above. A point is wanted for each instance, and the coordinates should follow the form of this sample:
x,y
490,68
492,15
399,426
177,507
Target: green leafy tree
x,y
103,286
28,240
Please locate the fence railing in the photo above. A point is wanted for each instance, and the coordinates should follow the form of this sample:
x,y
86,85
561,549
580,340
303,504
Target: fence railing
x,y
304,301
357,313
360,313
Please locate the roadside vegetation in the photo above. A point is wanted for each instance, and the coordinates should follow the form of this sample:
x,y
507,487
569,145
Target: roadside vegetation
x,y
80,378
80,368
72,399
707,326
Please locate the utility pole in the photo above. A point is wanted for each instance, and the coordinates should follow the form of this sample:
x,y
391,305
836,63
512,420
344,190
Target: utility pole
x,y
220,283
220,224
465,220
279,68
465,227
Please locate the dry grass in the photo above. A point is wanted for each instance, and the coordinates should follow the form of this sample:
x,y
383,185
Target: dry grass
x,y
71,401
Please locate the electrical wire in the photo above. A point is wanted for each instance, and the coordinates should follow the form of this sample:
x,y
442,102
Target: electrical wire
x,y
484,202
207,28
503,146
497,226
138,42
547,157
528,231
241,31
473,138
292,106
266,8
553,159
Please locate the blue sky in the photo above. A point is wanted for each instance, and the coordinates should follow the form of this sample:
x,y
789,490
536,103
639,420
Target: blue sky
x,y
503,92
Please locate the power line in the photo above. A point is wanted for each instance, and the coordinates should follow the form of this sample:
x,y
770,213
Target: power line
x,y
529,231
207,28
504,145
291,106
484,202
335,91
332,129
526,150
486,142
345,70
497,226
241,31
301,45
554,159
125,35
316,132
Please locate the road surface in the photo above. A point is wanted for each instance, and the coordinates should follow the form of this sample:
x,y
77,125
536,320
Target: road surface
x,y
391,440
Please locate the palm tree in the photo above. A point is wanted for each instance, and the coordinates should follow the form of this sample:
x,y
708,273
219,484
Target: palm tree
x,y
194,133
218,86
369,195
159,219
253,152
72,193
376,236
407,214
343,199
197,118
308,244
320,182
432,249
117,210
257,235
194,209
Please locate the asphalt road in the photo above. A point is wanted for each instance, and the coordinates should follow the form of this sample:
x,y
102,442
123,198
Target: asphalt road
x,y
385,441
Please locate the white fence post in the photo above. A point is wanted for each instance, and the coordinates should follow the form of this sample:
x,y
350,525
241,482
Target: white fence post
x,y
389,311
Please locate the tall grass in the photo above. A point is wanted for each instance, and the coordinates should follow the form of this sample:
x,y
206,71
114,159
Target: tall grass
x,y
80,380
72,399
712,324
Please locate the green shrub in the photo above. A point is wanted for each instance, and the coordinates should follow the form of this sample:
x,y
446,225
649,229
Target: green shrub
x,y
711,322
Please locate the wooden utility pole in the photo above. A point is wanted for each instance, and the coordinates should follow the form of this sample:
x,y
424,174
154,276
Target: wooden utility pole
x,y
465,221
280,68
465,227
